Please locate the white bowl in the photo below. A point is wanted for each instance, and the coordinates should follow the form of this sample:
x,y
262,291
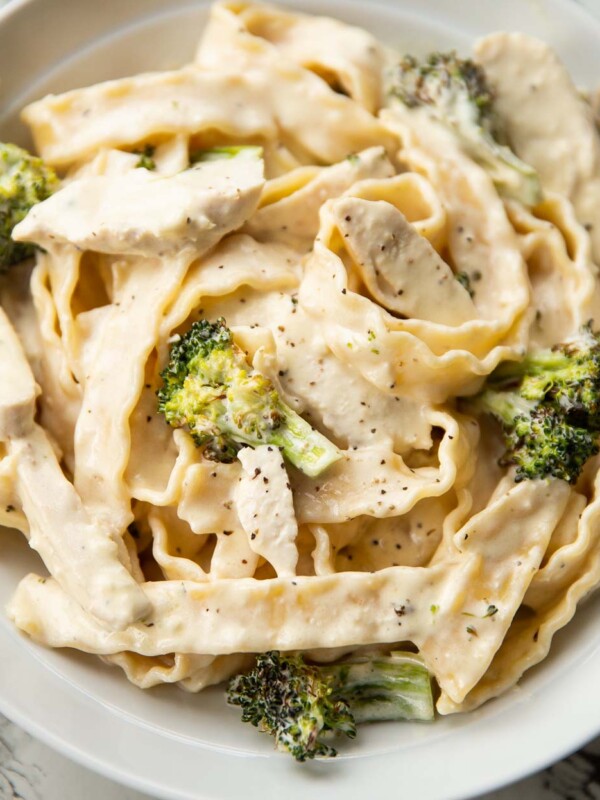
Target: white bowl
x,y
174,745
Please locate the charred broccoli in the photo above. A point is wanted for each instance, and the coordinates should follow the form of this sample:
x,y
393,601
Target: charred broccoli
x,y
566,376
539,439
296,702
456,93
290,700
24,181
209,387
549,407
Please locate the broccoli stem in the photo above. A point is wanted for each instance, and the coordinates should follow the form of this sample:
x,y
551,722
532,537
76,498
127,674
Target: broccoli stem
x,y
512,177
297,702
232,151
393,687
570,378
541,362
505,406
303,446
210,388
539,439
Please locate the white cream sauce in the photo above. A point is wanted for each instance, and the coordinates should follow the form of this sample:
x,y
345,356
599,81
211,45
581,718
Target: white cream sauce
x,y
336,274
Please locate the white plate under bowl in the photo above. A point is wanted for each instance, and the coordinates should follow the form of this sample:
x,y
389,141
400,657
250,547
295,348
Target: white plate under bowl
x,y
174,745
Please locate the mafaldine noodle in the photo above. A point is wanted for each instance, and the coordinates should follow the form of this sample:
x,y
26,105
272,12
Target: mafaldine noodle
x,y
372,269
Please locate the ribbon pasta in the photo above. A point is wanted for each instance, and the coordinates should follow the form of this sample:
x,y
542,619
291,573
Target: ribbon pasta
x,y
333,259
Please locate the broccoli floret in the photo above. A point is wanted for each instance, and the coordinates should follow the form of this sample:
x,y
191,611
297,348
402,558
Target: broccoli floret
x,y
566,376
539,439
549,407
441,81
146,158
296,702
219,153
24,181
290,700
456,93
209,388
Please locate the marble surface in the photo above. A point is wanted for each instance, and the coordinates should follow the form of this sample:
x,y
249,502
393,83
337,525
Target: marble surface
x,y
31,771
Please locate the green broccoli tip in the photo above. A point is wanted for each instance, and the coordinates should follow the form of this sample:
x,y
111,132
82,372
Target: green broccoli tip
x,y
456,92
248,151
297,703
432,81
549,408
146,157
210,389
24,181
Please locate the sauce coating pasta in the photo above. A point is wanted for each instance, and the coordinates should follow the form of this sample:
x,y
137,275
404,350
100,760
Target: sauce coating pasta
x,y
287,192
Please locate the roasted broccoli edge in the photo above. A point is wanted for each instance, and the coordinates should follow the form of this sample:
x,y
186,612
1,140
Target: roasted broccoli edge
x,y
303,705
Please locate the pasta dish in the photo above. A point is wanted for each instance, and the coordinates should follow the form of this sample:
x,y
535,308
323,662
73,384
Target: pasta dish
x,y
300,369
